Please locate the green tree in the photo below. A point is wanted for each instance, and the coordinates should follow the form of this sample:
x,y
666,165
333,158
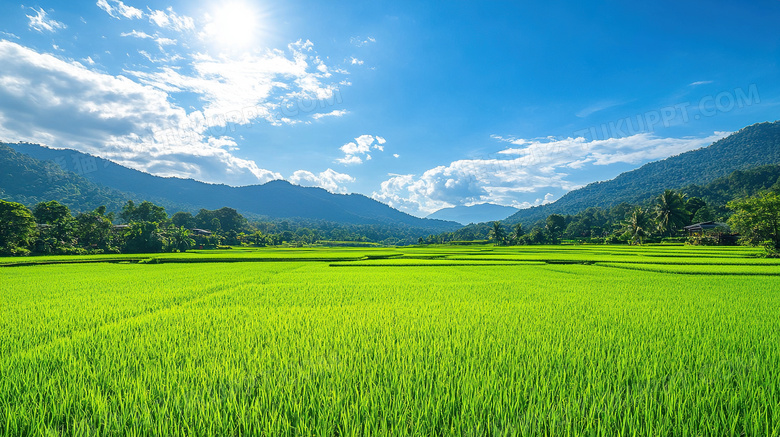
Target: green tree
x,y
555,224
51,212
183,219
179,238
145,212
497,234
94,230
637,225
703,214
17,228
229,220
757,219
693,205
670,212
143,237
56,232
517,233
216,225
538,235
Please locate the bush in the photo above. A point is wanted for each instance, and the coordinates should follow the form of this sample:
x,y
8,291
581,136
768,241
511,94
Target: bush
x,y
14,251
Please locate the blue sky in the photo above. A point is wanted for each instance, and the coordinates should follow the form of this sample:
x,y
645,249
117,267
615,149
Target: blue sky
x,y
421,105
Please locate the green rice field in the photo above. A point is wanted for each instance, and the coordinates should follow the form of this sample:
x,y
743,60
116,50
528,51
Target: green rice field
x,y
418,341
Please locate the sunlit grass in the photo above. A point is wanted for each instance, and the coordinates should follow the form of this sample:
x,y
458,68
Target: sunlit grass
x,y
301,348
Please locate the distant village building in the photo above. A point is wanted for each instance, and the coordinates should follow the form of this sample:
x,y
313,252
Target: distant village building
x,y
719,232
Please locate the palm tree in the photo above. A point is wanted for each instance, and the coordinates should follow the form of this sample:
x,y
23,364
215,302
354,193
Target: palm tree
x,y
670,211
497,233
637,225
517,232
180,238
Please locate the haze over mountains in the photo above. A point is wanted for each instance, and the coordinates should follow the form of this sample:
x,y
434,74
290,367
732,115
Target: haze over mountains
x,y
464,215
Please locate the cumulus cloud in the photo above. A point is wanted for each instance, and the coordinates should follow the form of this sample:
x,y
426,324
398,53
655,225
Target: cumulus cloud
x,y
118,9
168,19
518,175
42,23
274,86
355,61
62,103
356,151
329,179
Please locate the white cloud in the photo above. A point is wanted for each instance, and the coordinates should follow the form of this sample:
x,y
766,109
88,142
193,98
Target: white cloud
x,y
118,9
360,42
89,60
9,35
273,86
355,61
136,34
62,103
517,176
335,113
355,152
700,82
41,22
395,155
576,152
329,179
347,160
170,20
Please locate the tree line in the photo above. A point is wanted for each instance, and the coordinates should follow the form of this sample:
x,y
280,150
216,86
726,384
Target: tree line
x,y
755,220
50,228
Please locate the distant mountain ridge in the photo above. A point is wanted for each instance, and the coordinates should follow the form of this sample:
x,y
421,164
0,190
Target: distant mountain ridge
x,y
753,146
483,212
275,199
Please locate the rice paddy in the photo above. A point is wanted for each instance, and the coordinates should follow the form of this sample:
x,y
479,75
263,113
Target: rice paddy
x,y
422,341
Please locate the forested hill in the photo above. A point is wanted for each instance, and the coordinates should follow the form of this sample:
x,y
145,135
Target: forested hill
x,y
28,181
275,199
753,146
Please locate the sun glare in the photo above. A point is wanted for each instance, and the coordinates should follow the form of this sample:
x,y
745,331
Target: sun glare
x,y
234,25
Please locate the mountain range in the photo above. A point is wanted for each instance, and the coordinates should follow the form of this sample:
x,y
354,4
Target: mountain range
x,y
30,173
33,173
753,146
484,212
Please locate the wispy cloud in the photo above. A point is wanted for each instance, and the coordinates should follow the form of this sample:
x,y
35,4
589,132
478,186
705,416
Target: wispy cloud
x,y
168,19
600,106
335,113
42,23
137,34
118,9
355,61
360,42
700,82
